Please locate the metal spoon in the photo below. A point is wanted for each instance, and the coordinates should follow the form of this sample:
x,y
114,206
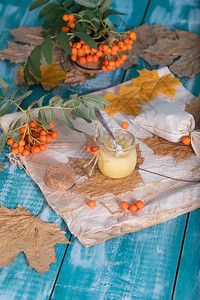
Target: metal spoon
x,y
105,125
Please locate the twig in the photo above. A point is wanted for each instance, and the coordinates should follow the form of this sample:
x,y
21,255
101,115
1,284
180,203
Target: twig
x,y
95,162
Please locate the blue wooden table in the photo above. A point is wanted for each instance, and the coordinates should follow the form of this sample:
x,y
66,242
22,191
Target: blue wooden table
x,y
161,262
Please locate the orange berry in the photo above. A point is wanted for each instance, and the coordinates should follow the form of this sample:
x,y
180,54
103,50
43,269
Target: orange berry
x,y
93,50
113,53
39,128
10,141
85,47
128,32
139,204
94,149
124,205
125,125
72,25
78,45
121,44
26,152
109,68
105,47
43,132
43,138
22,129
99,53
117,64
22,143
100,46
21,149
113,68
65,29
129,47
52,125
82,42
133,36
186,140
89,58
80,52
43,147
124,48
133,208
95,58
54,135
104,69
92,203
88,148
95,153
87,51
27,147
124,57
111,63
33,124
74,51
14,151
48,138
74,57
15,145
106,62
115,48
65,17
71,17
126,41
82,60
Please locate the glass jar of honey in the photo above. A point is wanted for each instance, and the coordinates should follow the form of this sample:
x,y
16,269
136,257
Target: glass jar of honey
x,y
116,163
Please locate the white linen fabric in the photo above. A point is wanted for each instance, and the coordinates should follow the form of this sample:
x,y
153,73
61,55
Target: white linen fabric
x,y
168,121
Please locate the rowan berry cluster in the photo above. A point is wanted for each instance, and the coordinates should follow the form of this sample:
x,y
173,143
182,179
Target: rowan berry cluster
x,y
33,138
109,51
93,150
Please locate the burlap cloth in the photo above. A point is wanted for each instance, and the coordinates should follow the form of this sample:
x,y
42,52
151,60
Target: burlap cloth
x,y
164,198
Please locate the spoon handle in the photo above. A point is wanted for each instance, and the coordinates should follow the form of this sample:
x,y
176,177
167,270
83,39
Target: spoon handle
x,y
104,124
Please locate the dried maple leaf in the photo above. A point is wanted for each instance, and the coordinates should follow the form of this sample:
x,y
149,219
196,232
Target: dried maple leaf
x,y
162,147
186,48
20,231
126,100
194,109
16,53
97,185
147,35
51,75
151,83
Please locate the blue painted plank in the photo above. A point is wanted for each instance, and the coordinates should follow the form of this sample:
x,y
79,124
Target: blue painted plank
x,y
138,265
188,281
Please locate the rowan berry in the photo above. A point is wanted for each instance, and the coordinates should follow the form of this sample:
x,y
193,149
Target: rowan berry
x,y
65,17
26,152
186,140
92,203
125,125
15,145
43,147
88,148
133,208
65,29
124,57
14,151
71,17
124,205
54,135
32,124
10,141
139,204
133,36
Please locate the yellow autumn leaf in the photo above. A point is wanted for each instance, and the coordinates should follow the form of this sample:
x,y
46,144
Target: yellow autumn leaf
x,y
127,100
51,75
151,83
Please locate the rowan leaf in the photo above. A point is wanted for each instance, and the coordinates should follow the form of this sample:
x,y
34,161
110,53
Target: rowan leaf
x,y
151,83
21,231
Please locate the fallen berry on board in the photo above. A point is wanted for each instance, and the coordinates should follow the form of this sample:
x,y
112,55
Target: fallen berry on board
x,y
125,125
186,140
92,203
133,208
124,205
139,204
88,148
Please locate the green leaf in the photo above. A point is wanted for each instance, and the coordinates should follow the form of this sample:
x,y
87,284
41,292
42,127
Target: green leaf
x,y
79,114
15,135
16,125
105,5
97,99
35,61
87,3
3,140
49,114
68,3
40,101
46,10
67,121
37,3
92,104
87,39
109,12
4,110
4,86
99,3
27,74
71,103
52,16
22,97
76,8
92,115
46,50
56,101
42,118
110,25
63,40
